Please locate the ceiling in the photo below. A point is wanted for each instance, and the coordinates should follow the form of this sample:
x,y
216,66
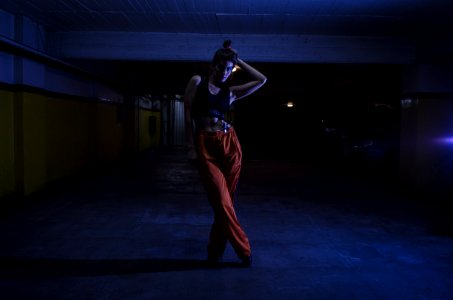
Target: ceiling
x,y
277,17
357,31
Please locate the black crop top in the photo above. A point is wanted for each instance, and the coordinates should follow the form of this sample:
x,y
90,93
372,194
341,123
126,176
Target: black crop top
x,y
206,104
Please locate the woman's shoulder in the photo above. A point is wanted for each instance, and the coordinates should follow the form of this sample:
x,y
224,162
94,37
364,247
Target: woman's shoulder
x,y
196,79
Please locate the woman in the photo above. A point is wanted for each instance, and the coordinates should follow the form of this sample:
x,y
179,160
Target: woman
x,y
213,141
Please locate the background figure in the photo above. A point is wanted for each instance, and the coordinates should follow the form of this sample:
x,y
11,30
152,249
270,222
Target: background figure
x,y
213,142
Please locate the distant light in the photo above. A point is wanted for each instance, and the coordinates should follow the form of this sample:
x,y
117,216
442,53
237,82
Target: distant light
x,y
289,104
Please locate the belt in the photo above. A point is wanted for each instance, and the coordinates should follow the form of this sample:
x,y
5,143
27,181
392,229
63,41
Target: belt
x,y
223,127
226,127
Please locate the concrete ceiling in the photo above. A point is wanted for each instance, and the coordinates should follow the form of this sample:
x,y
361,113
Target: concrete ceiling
x,y
263,17
375,31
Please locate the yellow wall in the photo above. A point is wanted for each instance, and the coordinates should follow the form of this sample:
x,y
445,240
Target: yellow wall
x,y
71,136
110,132
34,141
7,174
147,139
46,138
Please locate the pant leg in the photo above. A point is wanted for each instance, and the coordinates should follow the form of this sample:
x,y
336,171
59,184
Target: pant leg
x,y
220,158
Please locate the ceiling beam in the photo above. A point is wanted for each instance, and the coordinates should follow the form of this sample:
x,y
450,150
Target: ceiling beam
x,y
200,47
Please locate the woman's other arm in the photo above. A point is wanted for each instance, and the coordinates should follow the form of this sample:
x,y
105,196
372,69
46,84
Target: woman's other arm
x,y
189,95
243,90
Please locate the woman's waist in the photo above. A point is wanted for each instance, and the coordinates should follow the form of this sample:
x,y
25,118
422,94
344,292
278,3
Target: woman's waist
x,y
212,124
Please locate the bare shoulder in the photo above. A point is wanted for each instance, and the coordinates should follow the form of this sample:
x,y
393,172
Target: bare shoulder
x,y
191,88
193,83
195,80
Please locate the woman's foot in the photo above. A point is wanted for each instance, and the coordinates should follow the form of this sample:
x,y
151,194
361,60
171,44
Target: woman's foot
x,y
213,261
246,261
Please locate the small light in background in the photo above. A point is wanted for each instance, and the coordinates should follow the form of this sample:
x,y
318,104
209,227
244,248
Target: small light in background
x,y
289,104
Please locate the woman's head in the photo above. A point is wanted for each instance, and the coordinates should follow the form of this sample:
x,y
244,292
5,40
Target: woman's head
x,y
224,61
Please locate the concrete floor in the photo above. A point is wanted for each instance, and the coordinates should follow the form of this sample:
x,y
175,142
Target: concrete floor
x,y
139,231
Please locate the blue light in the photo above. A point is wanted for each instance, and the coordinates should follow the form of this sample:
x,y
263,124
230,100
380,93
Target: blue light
x,y
445,140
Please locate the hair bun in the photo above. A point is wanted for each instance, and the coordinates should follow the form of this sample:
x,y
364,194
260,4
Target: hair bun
x,y
227,44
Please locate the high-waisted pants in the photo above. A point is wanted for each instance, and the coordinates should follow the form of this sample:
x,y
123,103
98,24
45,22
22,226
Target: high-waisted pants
x,y
220,158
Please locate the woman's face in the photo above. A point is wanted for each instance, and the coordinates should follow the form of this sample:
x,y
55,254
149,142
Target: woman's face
x,y
223,70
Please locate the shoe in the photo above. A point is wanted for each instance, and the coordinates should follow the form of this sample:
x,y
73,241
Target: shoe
x,y
213,262
246,261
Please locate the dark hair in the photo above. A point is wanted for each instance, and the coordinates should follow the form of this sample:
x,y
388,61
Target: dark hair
x,y
226,53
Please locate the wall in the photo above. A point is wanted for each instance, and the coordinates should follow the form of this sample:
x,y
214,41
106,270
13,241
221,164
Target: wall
x,y
56,120
427,130
47,137
149,128
7,159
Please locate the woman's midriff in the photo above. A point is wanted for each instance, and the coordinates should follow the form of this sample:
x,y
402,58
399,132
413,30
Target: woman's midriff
x,y
212,124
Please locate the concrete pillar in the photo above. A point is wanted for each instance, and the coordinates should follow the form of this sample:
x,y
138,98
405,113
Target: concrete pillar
x,y
426,147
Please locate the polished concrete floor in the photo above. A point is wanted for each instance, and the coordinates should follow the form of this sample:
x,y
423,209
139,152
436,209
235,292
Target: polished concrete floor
x,y
138,230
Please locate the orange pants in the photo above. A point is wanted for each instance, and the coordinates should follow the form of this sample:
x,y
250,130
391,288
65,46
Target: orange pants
x,y
220,158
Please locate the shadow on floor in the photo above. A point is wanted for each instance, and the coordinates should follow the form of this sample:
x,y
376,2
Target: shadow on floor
x,y
23,267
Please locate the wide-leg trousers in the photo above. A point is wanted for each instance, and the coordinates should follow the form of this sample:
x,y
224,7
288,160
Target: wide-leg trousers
x,y
220,157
